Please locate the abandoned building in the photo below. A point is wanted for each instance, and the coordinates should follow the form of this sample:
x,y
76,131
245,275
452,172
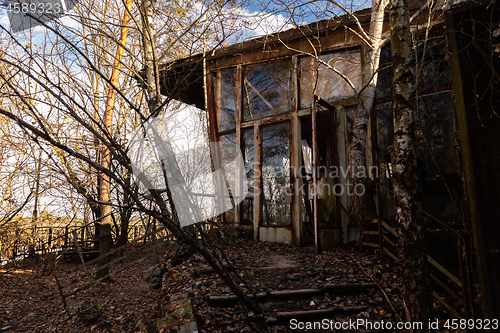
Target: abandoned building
x,y
259,95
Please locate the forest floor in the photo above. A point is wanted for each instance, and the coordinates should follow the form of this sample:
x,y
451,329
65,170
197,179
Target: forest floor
x,y
31,302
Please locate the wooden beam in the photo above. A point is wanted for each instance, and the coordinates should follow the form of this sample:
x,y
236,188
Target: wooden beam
x,y
444,270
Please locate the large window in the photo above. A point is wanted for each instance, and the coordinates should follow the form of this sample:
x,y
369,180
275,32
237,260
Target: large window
x,y
267,90
275,174
320,77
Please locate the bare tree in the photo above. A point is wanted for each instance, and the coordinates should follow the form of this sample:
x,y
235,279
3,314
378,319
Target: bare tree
x,y
73,68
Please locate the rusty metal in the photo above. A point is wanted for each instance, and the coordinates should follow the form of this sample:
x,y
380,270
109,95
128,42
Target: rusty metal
x,y
314,175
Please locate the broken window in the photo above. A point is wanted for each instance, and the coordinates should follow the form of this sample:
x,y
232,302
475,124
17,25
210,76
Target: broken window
x,y
225,99
267,90
318,78
276,174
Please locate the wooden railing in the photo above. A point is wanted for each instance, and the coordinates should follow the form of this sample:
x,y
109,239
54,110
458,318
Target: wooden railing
x,y
386,245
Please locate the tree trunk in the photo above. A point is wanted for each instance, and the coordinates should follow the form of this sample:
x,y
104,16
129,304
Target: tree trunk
x,y
105,238
366,96
413,260
125,211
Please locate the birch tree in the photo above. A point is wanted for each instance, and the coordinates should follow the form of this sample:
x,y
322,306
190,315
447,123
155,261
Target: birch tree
x,y
411,241
365,97
413,259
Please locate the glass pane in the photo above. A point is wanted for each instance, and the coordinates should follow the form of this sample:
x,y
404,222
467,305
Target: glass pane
x,y
319,78
436,135
228,153
275,174
248,156
438,157
225,99
267,90
432,57
385,74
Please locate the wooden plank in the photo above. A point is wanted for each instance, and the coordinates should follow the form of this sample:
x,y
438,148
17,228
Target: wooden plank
x,y
367,232
391,255
388,240
266,121
344,287
370,244
285,317
297,293
230,300
345,102
446,305
388,227
448,290
217,99
444,271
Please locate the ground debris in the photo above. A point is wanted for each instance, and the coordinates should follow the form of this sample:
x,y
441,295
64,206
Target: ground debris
x,y
89,310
